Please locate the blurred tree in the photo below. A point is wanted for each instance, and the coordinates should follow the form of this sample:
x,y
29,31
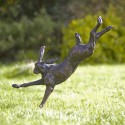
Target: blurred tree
x,y
26,35
8,9
58,9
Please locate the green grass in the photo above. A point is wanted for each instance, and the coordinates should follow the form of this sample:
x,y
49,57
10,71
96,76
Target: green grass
x,y
93,95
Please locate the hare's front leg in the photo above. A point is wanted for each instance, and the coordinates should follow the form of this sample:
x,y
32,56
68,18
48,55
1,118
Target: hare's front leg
x,y
38,82
48,91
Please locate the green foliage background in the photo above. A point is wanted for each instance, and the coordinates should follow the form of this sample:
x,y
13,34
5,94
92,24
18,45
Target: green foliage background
x,y
26,26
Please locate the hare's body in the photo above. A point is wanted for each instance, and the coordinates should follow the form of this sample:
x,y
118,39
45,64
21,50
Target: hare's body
x,y
53,74
58,73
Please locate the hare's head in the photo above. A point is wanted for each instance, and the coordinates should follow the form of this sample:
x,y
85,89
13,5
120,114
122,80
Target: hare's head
x,y
40,65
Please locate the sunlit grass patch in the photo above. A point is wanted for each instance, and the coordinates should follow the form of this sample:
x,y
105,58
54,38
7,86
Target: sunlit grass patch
x,y
93,95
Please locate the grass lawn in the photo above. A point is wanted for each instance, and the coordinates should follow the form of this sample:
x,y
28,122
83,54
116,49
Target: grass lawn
x,y
93,95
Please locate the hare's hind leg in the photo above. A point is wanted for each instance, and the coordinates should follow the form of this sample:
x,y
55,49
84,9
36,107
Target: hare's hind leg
x,y
108,28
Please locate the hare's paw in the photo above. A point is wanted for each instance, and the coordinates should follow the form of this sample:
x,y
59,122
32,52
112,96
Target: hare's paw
x,y
15,86
110,27
41,106
99,20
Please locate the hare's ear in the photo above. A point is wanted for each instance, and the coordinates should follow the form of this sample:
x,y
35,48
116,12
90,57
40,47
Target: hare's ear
x,y
41,53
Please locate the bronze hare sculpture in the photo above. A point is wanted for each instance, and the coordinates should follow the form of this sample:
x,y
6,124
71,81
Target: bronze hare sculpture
x,y
54,74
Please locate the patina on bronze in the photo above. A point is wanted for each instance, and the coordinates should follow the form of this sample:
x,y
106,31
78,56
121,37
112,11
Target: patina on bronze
x,y
54,74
